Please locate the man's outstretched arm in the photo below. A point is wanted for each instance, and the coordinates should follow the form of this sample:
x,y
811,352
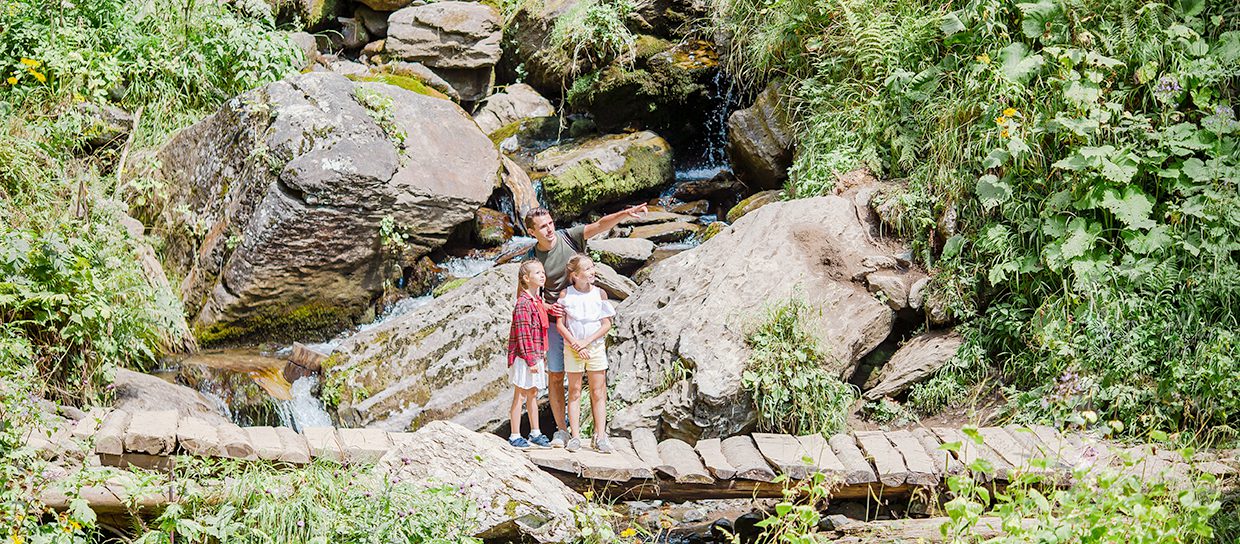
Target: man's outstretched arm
x,y
609,221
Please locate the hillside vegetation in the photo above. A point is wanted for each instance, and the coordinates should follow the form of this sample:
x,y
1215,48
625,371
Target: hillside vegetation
x,y
1070,175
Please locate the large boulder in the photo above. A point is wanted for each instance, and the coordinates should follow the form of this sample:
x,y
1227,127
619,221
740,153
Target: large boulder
x,y
517,102
516,500
623,254
138,392
445,360
458,40
760,141
693,312
584,175
273,206
915,361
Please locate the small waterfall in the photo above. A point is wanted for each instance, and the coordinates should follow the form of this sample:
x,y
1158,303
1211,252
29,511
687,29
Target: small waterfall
x,y
713,159
304,410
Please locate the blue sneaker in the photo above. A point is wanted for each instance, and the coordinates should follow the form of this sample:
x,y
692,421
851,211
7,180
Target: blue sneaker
x,y
540,440
519,443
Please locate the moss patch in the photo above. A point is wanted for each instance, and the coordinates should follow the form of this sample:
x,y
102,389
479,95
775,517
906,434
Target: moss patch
x,y
443,288
585,186
307,320
407,83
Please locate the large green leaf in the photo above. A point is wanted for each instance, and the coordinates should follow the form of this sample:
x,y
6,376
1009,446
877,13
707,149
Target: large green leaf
x,y
1082,92
1082,235
1145,243
1017,64
1131,205
992,191
1119,171
1039,18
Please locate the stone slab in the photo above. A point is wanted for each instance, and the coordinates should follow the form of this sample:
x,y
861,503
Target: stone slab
x,y
856,469
266,442
152,432
921,469
821,458
682,463
110,438
295,448
1007,447
647,447
945,463
197,437
84,430
625,448
888,462
711,452
363,445
1037,451
323,443
971,451
784,453
235,442
743,455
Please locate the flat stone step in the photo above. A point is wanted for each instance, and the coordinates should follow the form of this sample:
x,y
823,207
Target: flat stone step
x,y
235,442
197,437
363,445
784,453
152,432
647,448
888,462
682,463
640,468
821,457
324,444
295,448
743,455
711,452
921,469
856,469
945,463
110,438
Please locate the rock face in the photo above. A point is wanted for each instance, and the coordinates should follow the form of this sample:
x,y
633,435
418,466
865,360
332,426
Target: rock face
x,y
602,170
622,254
273,209
753,202
445,360
694,310
915,361
515,498
138,392
491,227
458,40
517,102
760,141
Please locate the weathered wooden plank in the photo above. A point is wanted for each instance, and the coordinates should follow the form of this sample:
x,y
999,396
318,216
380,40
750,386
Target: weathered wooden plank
x,y
784,453
856,469
235,442
323,443
296,450
363,445
711,452
920,466
153,432
647,447
625,448
821,458
197,437
888,462
945,463
682,463
110,438
744,456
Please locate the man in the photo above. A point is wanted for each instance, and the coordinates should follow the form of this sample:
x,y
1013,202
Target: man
x,y
553,250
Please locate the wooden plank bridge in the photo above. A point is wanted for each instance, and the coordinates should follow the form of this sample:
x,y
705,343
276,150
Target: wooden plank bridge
x,y
864,463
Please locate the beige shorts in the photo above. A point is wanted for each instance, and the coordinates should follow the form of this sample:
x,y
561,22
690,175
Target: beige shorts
x,y
596,362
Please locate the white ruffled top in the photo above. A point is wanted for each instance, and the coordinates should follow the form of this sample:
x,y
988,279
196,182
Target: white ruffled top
x,y
585,312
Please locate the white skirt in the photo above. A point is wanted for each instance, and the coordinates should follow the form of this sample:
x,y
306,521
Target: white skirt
x,y
522,378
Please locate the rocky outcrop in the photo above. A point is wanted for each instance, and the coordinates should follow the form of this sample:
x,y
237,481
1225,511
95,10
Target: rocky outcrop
x,y
603,170
445,360
623,254
915,361
460,41
665,81
753,202
760,141
693,312
313,15
273,205
517,102
492,227
138,392
516,500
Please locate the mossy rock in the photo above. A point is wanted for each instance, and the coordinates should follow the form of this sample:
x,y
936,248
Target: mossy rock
x,y
753,202
447,286
306,321
665,79
604,170
407,83
711,230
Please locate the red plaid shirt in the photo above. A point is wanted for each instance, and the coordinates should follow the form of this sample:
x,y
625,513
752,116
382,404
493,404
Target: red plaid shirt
x,y
527,338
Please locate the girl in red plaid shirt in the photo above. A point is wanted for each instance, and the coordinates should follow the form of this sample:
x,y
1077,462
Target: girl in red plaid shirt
x,y
527,350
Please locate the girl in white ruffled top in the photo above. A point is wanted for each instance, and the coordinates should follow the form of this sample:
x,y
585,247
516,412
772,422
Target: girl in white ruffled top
x,y
587,320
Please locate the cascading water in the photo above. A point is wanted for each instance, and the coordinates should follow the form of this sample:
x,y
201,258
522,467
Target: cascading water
x,y
304,410
714,155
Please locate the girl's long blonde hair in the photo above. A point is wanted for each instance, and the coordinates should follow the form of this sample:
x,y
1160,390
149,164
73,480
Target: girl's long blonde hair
x,y
526,269
575,264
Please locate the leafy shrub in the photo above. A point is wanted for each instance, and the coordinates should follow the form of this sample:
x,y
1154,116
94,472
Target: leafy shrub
x,y
786,378
1089,148
592,33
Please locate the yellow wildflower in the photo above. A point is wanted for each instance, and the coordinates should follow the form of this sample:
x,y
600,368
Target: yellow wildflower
x,y
983,58
1010,112
1004,134
1000,120
12,80
30,62
17,539
42,78
589,495
628,533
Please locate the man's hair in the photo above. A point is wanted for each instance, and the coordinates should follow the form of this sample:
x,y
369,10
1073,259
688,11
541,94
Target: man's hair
x,y
530,215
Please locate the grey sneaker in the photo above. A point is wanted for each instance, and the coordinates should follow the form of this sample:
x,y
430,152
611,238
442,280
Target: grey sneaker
x,y
559,438
573,444
602,444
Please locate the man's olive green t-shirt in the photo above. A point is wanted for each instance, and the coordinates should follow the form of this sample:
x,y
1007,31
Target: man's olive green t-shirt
x,y
555,261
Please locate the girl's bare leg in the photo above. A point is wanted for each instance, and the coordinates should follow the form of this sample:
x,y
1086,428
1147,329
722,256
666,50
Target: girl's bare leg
x,y
574,403
598,400
531,409
514,412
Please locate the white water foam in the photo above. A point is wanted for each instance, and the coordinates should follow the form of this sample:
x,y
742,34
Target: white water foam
x,y
304,410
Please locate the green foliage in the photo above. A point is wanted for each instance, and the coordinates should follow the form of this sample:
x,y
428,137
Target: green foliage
x,y
885,411
380,108
1089,151
592,33
797,516
787,379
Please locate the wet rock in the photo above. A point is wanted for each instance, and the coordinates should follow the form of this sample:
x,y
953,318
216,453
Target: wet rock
x,y
752,203
353,32
458,40
723,183
914,362
675,231
491,227
582,176
517,102
623,254
446,360
760,141
699,207
711,230
376,22
137,392
695,308
655,215
516,500
665,80
524,197
286,187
